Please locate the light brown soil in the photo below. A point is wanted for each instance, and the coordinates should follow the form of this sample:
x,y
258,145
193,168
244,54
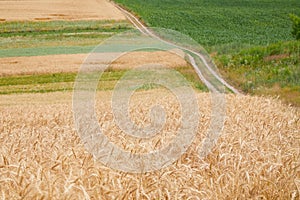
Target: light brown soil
x,y
72,62
46,10
275,57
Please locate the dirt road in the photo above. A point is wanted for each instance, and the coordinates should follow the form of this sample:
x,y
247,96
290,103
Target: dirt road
x,y
206,63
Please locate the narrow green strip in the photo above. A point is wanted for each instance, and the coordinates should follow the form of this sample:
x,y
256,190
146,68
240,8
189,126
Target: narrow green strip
x,y
41,51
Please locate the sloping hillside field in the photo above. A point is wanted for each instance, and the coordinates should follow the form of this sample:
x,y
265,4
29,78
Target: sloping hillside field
x,y
251,41
45,154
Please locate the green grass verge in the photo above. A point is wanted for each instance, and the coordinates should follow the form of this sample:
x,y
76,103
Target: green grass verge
x,y
41,51
269,70
21,28
52,82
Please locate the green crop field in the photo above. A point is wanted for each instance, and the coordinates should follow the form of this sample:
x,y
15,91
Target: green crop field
x,y
250,41
217,22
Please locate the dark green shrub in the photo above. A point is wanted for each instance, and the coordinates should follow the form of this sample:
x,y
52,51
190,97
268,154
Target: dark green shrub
x,y
296,26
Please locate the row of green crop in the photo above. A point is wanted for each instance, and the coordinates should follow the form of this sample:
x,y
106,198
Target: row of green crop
x,y
13,28
52,82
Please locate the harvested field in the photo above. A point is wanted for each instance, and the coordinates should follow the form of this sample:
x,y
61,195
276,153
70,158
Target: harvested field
x,y
257,155
47,10
71,63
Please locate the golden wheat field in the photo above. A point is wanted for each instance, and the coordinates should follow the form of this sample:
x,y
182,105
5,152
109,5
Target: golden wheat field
x,y
256,157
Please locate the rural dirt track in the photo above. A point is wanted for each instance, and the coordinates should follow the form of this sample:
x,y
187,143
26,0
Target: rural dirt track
x,y
257,154
146,31
47,10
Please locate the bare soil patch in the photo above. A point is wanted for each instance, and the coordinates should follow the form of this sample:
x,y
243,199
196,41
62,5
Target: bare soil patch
x,y
46,10
276,57
72,62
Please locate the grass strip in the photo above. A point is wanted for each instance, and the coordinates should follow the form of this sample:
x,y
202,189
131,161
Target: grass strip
x,y
41,83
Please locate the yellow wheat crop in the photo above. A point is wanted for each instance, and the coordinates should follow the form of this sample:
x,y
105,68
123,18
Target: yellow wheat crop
x,y
41,156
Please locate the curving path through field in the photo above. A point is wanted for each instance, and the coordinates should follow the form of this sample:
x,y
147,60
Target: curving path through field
x,y
144,30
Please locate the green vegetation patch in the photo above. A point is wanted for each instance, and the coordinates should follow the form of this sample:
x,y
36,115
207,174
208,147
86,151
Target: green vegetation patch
x,y
37,28
55,37
250,41
42,51
217,22
273,69
42,83
52,82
